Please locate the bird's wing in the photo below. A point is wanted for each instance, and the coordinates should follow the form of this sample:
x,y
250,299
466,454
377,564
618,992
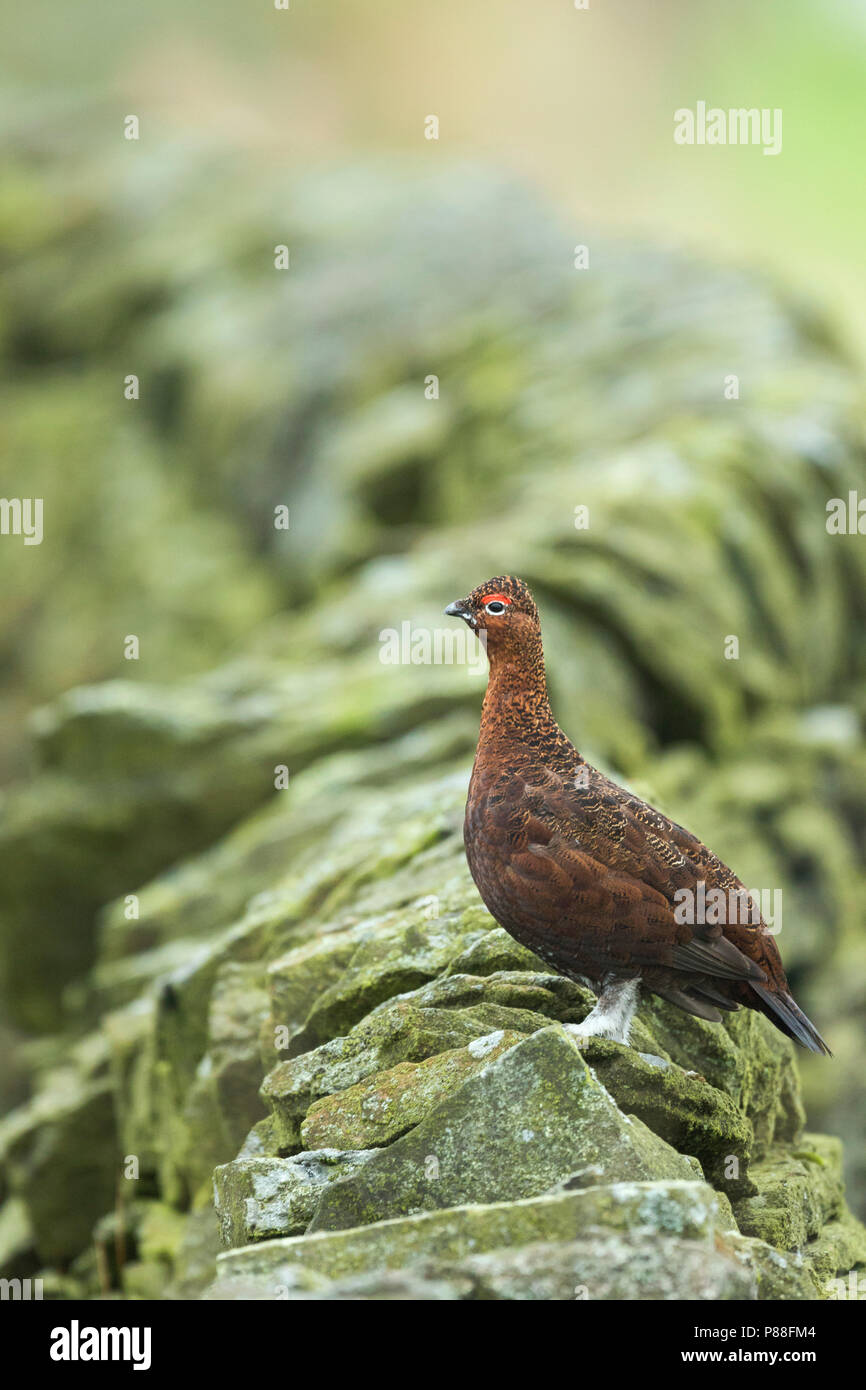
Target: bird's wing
x,y
615,865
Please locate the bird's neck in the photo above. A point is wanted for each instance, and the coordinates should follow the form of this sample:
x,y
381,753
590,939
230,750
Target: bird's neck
x,y
516,705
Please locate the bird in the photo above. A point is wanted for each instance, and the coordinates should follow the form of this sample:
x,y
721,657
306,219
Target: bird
x,y
597,883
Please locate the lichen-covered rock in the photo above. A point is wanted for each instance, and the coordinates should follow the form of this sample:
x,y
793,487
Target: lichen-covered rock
x,y
688,1210
839,1249
69,1129
635,1265
394,959
400,1032
262,1198
195,1258
528,1119
632,1265
494,952
797,1192
206,1083
776,1276
380,1109
685,1109
293,1283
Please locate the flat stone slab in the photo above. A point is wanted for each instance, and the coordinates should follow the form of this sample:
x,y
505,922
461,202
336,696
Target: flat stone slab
x,y
688,1210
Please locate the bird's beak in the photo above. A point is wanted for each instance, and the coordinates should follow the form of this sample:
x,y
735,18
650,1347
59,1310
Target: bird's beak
x,y
459,609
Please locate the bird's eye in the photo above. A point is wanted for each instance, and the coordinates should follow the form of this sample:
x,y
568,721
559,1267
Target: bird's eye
x,y
495,607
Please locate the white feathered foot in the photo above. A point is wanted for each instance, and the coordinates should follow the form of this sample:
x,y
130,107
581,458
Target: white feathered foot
x,y
613,1013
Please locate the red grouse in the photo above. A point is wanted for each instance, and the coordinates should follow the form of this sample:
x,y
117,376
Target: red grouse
x,y
589,877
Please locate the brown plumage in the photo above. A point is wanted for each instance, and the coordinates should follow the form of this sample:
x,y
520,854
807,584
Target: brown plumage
x,y
589,877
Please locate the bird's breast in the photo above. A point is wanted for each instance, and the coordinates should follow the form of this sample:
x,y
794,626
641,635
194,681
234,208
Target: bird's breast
x,y
494,834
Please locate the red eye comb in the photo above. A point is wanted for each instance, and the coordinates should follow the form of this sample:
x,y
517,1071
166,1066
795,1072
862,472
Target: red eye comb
x,y
496,598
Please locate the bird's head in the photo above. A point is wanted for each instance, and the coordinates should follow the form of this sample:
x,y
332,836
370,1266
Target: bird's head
x,y
504,610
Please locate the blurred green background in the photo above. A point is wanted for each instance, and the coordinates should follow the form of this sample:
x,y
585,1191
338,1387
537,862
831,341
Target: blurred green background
x,y
558,388
580,102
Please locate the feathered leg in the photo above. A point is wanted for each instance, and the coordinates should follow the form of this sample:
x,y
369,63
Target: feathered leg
x,y
613,1013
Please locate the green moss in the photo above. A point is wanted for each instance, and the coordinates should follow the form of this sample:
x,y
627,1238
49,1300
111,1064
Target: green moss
x,y
778,1276
746,1058
837,1252
796,1196
495,951
386,1105
396,1032
395,959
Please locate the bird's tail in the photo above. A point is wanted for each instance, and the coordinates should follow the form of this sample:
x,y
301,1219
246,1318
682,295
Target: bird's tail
x,y
789,1017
